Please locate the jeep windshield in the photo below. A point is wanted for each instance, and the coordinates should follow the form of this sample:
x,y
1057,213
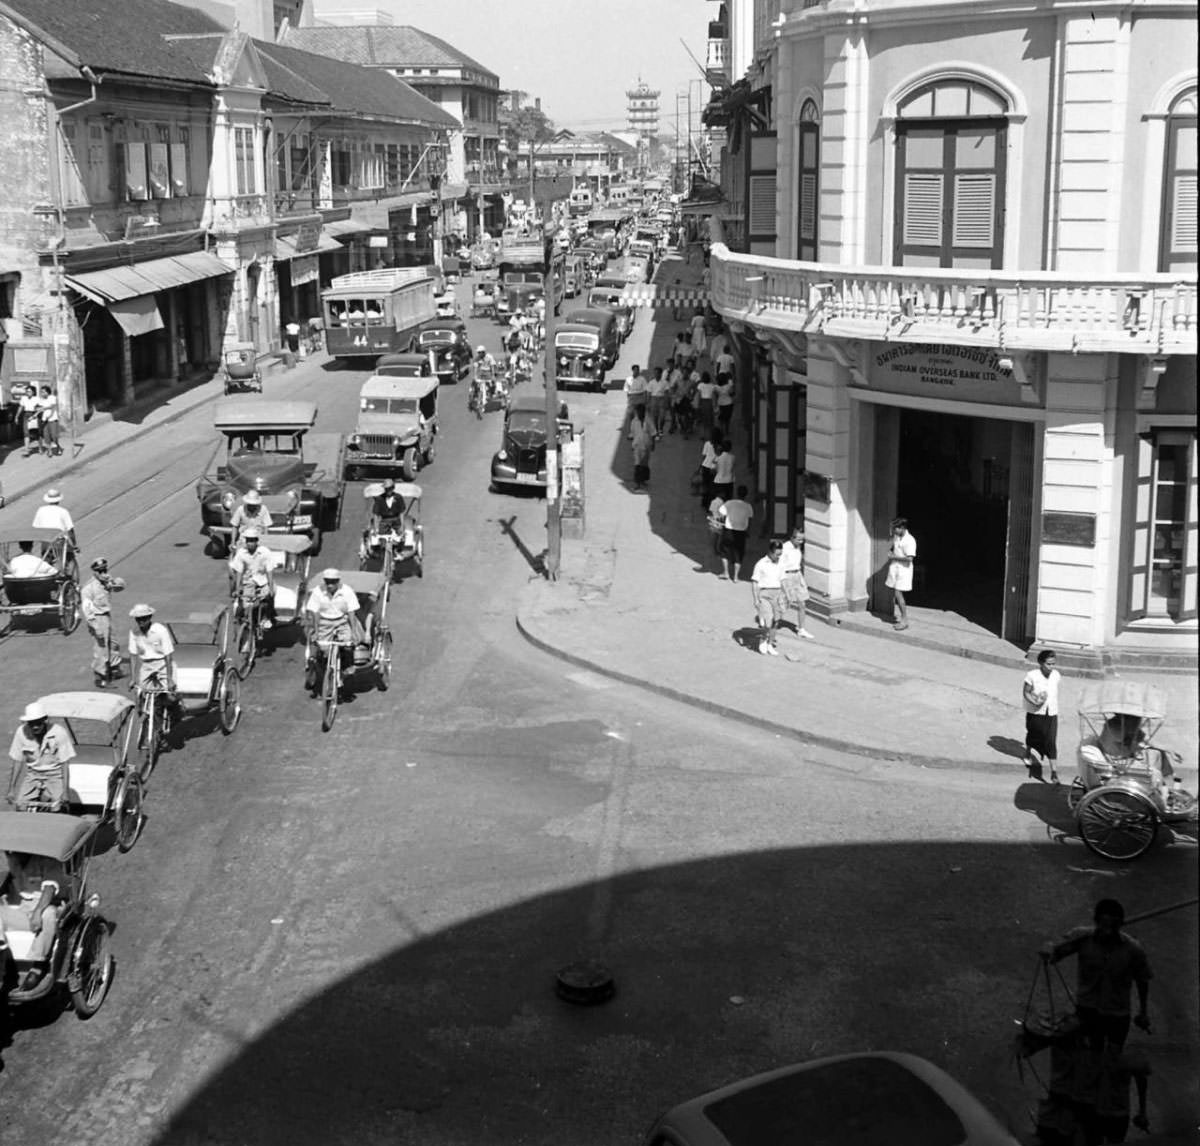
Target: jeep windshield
x,y
389,406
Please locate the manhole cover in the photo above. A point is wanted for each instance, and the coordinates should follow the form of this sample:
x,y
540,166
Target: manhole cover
x,y
585,983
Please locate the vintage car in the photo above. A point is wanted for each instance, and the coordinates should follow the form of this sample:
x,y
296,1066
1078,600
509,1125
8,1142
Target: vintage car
x,y
521,459
446,304
239,367
446,340
397,424
38,847
611,297
637,268
574,275
269,447
52,591
865,1099
579,359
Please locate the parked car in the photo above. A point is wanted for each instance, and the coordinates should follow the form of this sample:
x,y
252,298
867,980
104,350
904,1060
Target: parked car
x,y
521,459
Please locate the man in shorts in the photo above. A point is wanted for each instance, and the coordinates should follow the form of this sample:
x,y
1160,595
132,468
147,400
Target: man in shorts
x,y
736,514
766,583
900,570
39,754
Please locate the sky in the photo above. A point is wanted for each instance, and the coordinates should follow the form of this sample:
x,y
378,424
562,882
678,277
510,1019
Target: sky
x,y
579,56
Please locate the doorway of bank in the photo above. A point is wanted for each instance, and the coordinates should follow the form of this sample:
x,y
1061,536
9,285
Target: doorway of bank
x,y
965,484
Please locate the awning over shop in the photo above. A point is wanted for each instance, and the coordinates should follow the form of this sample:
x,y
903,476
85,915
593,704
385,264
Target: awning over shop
x,y
718,207
137,315
342,228
650,294
287,249
114,284
374,216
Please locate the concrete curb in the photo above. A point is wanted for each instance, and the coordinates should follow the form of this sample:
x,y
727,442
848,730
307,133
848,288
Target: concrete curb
x,y
814,739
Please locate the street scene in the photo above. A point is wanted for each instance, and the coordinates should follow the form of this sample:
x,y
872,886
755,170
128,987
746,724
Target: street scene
x,y
589,614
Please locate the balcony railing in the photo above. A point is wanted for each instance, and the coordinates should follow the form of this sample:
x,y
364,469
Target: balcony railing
x,y
302,201
1034,310
717,59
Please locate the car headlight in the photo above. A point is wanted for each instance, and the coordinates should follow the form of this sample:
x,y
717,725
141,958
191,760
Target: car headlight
x,y
293,500
228,500
355,440
502,456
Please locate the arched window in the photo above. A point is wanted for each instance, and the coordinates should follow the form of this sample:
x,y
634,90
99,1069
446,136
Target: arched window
x,y
950,166
808,181
1177,241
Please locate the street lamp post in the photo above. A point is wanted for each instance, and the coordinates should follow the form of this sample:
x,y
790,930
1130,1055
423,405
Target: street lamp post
x,y
553,502
435,163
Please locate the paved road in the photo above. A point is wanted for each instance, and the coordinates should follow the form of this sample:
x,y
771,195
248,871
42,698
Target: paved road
x,y
352,937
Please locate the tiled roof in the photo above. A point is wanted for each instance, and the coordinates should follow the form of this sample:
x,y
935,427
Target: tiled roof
x,y
368,91
117,36
390,46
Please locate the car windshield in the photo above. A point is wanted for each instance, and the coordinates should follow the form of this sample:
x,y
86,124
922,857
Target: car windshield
x,y
250,442
572,341
389,405
437,337
527,422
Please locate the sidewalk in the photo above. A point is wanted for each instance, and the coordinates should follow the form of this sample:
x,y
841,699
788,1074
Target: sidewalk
x,y
638,600
21,476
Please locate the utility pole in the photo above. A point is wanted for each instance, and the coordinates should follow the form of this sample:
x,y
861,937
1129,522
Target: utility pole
x,y
553,504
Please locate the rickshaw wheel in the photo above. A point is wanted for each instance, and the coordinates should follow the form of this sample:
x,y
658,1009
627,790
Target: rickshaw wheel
x,y
229,700
150,740
330,687
382,655
91,968
1117,824
1075,793
419,554
68,607
127,811
247,647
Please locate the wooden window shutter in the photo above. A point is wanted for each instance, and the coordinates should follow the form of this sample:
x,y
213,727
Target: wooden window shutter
x,y
974,210
808,207
1143,502
1183,214
135,171
1190,557
761,205
924,196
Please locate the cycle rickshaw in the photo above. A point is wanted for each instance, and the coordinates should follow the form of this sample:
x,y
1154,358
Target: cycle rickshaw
x,y
52,590
59,848
103,783
292,554
239,366
206,680
483,299
404,539
1126,786
372,654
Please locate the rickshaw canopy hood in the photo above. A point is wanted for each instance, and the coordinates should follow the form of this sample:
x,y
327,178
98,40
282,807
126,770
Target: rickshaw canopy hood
x,y
107,707
57,837
409,490
239,348
241,414
1132,698
296,543
388,386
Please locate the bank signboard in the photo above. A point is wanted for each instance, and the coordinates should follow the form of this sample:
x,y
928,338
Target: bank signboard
x,y
960,373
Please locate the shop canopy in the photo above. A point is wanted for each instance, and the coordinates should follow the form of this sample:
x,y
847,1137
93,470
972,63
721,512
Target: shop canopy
x,y
342,227
118,284
285,248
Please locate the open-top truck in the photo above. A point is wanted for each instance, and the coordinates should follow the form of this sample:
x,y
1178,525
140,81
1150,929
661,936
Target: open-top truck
x,y
267,446
523,263
369,313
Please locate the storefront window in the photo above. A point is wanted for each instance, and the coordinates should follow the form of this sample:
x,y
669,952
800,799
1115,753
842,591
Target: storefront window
x,y
1164,567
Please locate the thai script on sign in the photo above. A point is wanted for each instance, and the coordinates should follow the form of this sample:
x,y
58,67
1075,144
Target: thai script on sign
x,y
939,365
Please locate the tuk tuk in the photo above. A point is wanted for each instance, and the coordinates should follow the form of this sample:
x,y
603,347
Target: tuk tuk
x,y
239,367
397,424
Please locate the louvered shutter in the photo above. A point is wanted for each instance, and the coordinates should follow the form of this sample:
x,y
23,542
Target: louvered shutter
x,y
135,171
808,204
974,211
1183,214
808,207
761,204
1178,241
924,197
1143,498
760,194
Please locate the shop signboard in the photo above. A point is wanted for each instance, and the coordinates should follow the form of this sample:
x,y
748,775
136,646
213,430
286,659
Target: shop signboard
x,y
304,270
928,370
306,238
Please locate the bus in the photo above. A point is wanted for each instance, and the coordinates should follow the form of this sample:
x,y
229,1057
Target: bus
x,y
369,313
580,201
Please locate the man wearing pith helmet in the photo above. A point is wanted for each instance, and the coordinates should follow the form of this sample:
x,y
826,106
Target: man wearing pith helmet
x,y
330,616
251,513
39,753
151,650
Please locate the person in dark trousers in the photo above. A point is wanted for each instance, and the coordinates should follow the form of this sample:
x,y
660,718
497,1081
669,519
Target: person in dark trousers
x,y
1039,691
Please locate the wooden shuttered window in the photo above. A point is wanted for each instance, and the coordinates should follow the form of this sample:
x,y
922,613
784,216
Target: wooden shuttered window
x,y
1163,574
760,194
950,194
1177,247
809,183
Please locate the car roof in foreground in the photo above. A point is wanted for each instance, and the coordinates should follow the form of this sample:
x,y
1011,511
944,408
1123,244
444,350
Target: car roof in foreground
x,y
529,403
878,1099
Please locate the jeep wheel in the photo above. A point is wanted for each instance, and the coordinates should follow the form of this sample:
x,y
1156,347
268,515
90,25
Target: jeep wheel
x,y
427,454
409,464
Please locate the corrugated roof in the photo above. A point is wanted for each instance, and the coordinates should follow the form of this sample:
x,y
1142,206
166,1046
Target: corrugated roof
x,y
349,88
119,36
389,46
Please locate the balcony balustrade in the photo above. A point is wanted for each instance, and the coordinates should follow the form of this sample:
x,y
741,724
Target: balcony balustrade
x,y
301,201
717,60
1009,310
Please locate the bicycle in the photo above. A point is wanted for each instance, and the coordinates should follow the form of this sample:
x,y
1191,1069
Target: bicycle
x,y
332,679
155,711
248,616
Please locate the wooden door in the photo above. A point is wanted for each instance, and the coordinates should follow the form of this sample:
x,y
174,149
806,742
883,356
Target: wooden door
x,y
1015,624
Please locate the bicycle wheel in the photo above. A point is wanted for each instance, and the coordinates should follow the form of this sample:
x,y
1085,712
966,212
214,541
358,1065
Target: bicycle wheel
x,y
247,644
382,655
229,700
149,740
330,689
91,968
68,608
127,811
1116,823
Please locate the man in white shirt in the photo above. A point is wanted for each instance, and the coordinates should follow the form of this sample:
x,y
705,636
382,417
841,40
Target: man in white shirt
x,y
795,588
724,364
48,416
737,514
330,617
30,407
1039,692
151,650
658,390
39,753
52,514
635,395
900,569
251,514
766,583
252,575
723,467
28,564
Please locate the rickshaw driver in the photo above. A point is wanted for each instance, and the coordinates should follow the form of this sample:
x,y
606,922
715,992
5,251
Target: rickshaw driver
x,y
250,514
252,575
151,651
39,754
330,614
1121,747
29,564
30,900
389,508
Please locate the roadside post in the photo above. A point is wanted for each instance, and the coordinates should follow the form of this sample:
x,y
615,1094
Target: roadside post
x,y
553,518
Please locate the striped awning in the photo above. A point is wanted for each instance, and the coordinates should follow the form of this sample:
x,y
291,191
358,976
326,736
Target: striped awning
x,y
651,294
